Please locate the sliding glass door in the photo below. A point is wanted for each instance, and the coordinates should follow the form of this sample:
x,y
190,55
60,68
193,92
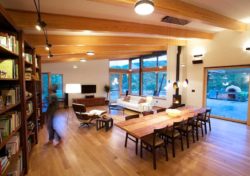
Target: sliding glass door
x,y
228,92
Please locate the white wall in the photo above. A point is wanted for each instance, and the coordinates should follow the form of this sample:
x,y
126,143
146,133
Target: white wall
x,y
225,49
90,72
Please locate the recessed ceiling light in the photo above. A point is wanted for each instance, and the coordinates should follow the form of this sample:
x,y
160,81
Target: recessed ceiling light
x,y
75,67
82,60
86,32
144,7
183,65
90,53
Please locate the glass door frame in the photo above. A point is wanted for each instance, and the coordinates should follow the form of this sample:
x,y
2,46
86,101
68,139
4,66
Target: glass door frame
x,y
206,69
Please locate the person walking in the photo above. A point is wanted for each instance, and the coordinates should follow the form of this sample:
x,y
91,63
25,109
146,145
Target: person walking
x,y
51,113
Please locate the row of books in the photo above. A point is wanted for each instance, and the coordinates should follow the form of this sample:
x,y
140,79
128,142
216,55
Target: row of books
x,y
9,42
8,69
4,164
29,108
28,58
11,149
16,168
9,122
10,95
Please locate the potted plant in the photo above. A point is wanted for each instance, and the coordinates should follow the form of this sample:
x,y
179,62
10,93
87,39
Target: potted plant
x,y
107,90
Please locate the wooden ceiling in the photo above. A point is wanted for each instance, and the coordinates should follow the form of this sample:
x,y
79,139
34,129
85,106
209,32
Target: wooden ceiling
x,y
135,38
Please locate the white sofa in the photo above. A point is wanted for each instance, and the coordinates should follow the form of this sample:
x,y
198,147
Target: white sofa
x,y
133,104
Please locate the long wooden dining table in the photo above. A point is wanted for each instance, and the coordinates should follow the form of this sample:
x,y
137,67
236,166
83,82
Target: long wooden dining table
x,y
144,126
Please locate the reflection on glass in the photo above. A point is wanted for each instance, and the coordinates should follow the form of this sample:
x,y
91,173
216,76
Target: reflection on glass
x,y
162,84
114,87
149,84
227,92
135,82
125,83
150,62
162,60
119,64
135,64
57,79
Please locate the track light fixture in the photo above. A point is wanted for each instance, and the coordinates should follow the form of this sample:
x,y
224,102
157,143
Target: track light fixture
x,y
90,53
40,25
144,7
48,46
50,55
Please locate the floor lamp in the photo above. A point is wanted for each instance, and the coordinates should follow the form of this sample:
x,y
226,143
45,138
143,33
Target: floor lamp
x,y
70,89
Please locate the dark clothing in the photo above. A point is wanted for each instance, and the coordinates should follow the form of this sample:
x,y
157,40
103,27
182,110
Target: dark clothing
x,y
51,111
53,105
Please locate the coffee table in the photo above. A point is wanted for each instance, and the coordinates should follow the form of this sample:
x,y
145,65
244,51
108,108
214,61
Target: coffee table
x,y
115,106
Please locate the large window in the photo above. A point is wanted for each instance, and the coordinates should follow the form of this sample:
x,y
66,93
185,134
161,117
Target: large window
x,y
135,83
125,83
135,64
146,75
114,86
162,84
51,79
149,83
150,62
119,64
57,79
228,92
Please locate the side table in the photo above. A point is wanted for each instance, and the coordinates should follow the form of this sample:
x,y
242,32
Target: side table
x,y
104,122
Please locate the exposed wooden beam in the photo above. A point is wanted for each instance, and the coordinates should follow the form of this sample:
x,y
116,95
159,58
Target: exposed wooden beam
x,y
98,49
77,57
185,10
65,40
27,20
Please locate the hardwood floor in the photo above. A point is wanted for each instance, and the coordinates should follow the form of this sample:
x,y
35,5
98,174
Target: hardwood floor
x,y
87,152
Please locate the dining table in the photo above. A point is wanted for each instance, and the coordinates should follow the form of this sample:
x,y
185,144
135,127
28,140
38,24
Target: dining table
x,y
143,126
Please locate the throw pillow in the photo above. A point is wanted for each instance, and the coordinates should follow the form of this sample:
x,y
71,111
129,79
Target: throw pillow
x,y
142,100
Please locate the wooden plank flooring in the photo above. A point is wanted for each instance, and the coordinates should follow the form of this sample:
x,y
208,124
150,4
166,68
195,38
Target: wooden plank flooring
x,y
87,152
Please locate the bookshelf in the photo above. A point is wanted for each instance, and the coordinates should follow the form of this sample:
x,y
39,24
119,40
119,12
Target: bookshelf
x,y
20,98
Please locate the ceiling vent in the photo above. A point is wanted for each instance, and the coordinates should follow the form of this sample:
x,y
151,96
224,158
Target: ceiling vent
x,y
173,20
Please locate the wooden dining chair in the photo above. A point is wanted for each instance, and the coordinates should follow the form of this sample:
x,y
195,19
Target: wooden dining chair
x,y
198,124
187,128
153,142
206,120
161,110
174,133
145,113
130,137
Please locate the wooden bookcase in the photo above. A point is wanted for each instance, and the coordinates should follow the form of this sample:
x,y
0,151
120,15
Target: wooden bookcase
x,y
28,137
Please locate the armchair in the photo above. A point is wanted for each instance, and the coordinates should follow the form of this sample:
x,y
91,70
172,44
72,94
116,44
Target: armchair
x,y
84,117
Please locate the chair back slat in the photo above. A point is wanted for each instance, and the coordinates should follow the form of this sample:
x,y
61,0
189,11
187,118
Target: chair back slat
x,y
208,113
161,110
132,116
145,113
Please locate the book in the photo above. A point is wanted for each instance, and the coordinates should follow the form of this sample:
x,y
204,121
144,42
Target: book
x,y
9,42
8,66
28,58
5,126
11,95
13,145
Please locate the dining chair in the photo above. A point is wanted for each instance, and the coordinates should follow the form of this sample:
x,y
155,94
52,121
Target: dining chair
x,y
161,110
154,141
145,113
187,128
174,133
206,120
129,136
198,125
